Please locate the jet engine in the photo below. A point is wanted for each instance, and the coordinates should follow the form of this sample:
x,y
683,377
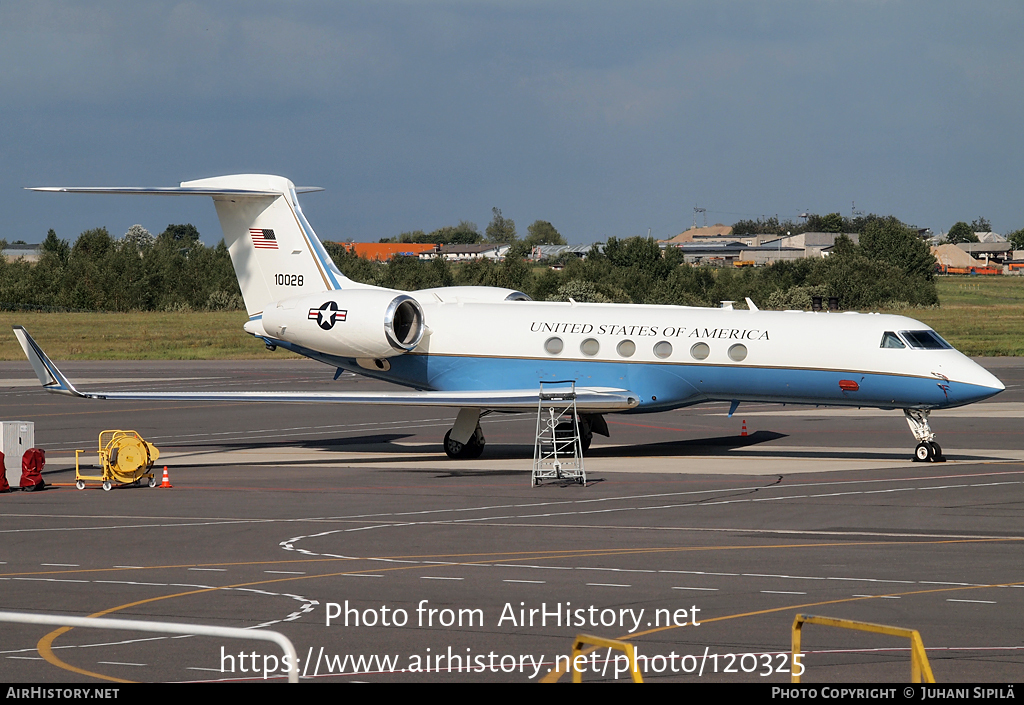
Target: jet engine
x,y
360,323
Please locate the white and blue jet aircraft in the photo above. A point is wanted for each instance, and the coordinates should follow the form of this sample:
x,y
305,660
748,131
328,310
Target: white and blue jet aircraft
x,y
484,349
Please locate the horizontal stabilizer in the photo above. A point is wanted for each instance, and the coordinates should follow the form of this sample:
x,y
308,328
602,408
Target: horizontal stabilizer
x,y
590,399
170,190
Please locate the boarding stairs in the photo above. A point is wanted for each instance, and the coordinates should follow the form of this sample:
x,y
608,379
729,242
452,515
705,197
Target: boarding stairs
x,y
557,450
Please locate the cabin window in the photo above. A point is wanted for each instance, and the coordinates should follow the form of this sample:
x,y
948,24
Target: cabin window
x,y
738,352
553,345
924,340
663,349
891,340
700,351
626,348
590,347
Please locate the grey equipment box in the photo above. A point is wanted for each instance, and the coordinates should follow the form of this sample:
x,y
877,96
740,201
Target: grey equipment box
x,y
15,438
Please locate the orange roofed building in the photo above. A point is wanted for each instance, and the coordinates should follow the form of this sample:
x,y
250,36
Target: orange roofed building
x,y
384,251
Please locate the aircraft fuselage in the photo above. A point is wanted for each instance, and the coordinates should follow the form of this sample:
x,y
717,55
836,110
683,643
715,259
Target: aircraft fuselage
x,y
673,356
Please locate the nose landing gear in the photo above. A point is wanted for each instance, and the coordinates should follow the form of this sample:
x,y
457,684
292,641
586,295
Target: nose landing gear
x,y
927,449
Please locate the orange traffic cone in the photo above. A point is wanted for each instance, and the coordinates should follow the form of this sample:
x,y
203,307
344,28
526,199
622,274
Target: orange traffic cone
x,y
743,432
167,478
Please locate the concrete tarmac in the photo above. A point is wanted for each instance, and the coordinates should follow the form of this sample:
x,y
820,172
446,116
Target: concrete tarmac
x,y
450,571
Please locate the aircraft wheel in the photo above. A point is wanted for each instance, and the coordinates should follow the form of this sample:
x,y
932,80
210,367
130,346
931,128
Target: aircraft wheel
x,y
922,452
464,451
80,484
106,485
453,449
937,456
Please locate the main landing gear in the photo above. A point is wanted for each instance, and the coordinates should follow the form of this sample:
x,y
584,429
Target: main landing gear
x,y
465,440
927,449
473,448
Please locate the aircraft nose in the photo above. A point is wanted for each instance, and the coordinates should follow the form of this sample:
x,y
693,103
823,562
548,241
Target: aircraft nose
x,y
984,383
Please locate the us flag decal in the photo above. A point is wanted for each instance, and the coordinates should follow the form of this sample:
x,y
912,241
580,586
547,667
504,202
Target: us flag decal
x,y
263,239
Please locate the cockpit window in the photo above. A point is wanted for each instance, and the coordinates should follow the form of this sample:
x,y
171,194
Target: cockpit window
x,y
891,340
925,340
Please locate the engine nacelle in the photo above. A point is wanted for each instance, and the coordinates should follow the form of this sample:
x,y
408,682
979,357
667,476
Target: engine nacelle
x,y
360,323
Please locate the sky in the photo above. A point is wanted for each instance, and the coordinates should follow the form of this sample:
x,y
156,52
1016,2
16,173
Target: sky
x,y
603,118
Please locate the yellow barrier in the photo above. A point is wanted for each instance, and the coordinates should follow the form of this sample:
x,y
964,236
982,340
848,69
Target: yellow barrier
x,y
919,667
584,639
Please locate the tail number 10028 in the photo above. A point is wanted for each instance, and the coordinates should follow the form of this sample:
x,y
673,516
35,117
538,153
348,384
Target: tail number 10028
x,y
288,279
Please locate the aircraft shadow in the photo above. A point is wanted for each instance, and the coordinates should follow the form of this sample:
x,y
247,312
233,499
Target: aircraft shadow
x,y
385,447
371,443
690,447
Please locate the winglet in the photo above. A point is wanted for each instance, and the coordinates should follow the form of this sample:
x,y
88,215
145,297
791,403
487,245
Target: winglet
x,y
49,376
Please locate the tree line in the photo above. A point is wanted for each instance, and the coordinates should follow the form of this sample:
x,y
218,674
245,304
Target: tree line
x,y
891,267
500,230
173,271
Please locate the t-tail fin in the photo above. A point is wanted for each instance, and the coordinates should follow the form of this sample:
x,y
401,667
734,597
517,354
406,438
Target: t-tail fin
x,y
275,253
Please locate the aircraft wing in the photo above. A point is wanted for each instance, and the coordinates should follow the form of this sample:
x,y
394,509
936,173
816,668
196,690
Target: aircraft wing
x,y
590,399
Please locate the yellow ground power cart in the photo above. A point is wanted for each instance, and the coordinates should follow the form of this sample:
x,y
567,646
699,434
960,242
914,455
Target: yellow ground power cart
x,y
125,459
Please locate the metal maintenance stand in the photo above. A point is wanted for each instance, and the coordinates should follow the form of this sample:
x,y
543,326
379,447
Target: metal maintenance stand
x,y
557,453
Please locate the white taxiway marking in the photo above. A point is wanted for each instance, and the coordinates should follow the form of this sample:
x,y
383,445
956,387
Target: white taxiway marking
x,y
536,582
981,602
437,577
285,572
308,605
62,565
695,588
218,570
120,663
782,592
10,383
607,585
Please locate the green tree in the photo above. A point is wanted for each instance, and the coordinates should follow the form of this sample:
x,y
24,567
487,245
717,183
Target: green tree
x,y
1017,238
760,226
543,233
641,252
961,232
891,241
183,235
92,245
55,247
831,223
465,233
843,245
579,290
981,225
138,237
501,229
